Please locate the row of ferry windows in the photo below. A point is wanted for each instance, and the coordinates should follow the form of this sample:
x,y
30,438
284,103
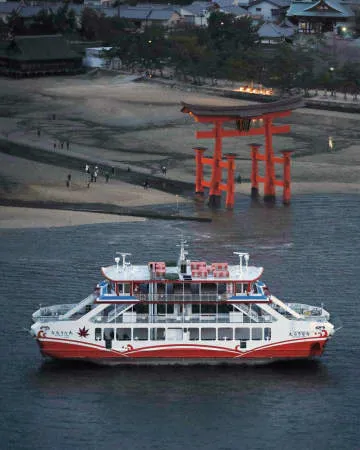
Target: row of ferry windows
x,y
192,334
172,288
180,308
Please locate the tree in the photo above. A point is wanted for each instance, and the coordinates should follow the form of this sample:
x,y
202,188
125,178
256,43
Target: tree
x,y
16,24
284,67
90,24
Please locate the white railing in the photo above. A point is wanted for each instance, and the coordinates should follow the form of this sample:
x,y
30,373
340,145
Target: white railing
x,y
171,318
182,297
248,311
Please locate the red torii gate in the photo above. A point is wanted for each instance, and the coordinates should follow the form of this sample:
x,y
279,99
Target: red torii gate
x,y
243,117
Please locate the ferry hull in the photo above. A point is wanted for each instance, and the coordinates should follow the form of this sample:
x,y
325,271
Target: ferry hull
x,y
181,353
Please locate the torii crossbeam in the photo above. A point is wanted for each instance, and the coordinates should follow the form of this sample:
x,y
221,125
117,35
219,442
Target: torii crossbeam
x,y
243,118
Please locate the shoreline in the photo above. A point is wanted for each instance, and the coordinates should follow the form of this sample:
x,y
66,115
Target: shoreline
x,y
134,129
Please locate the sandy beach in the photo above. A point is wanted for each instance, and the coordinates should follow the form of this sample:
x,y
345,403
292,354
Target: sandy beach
x,y
137,128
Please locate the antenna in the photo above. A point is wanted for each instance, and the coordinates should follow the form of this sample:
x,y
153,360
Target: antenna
x,y
246,257
123,255
182,246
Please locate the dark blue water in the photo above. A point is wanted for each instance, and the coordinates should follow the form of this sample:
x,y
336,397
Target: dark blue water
x,y
310,252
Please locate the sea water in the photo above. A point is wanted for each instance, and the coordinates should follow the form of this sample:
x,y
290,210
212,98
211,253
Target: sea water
x,y
310,254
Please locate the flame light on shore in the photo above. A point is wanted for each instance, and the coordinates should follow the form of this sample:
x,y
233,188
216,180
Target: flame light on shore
x,y
254,90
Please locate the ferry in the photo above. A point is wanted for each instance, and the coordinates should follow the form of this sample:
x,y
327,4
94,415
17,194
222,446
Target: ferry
x,y
189,312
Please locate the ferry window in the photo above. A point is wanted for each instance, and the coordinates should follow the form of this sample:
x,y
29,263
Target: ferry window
x,y
225,334
194,334
161,309
224,309
195,288
256,334
196,309
123,334
140,334
208,288
221,288
208,334
242,333
98,334
239,288
169,287
208,309
144,288
157,334
127,287
108,334
267,334
169,309
141,308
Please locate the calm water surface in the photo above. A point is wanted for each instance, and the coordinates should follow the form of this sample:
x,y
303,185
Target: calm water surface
x,y
309,252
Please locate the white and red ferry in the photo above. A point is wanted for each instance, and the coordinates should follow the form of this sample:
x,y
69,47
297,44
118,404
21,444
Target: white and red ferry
x,y
189,312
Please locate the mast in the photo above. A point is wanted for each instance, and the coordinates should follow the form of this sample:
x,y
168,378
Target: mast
x,y
182,257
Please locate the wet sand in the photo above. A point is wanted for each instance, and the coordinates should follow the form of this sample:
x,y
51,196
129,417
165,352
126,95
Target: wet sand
x,y
139,127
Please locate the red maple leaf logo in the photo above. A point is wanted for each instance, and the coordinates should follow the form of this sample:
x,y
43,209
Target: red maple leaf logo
x,y
83,332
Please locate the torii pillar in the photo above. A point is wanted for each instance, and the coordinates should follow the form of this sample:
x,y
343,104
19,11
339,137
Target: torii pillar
x,y
254,170
269,183
286,176
199,178
214,192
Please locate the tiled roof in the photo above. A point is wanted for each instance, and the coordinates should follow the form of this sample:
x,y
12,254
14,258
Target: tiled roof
x,y
278,3
197,8
308,9
161,14
236,10
271,30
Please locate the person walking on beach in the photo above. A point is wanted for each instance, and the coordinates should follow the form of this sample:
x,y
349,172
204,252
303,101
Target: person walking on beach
x,y
163,170
67,145
146,184
68,181
87,168
96,173
107,176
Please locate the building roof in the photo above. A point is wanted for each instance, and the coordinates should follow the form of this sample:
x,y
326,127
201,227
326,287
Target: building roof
x,y
235,10
273,31
320,8
161,14
197,8
39,48
242,112
277,3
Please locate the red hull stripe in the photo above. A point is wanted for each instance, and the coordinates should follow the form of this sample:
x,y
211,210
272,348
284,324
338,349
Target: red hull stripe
x,y
69,349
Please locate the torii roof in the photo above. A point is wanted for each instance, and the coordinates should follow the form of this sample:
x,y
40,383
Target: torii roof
x,y
242,112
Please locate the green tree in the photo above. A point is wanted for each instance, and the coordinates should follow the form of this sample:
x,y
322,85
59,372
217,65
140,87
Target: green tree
x,y
16,24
